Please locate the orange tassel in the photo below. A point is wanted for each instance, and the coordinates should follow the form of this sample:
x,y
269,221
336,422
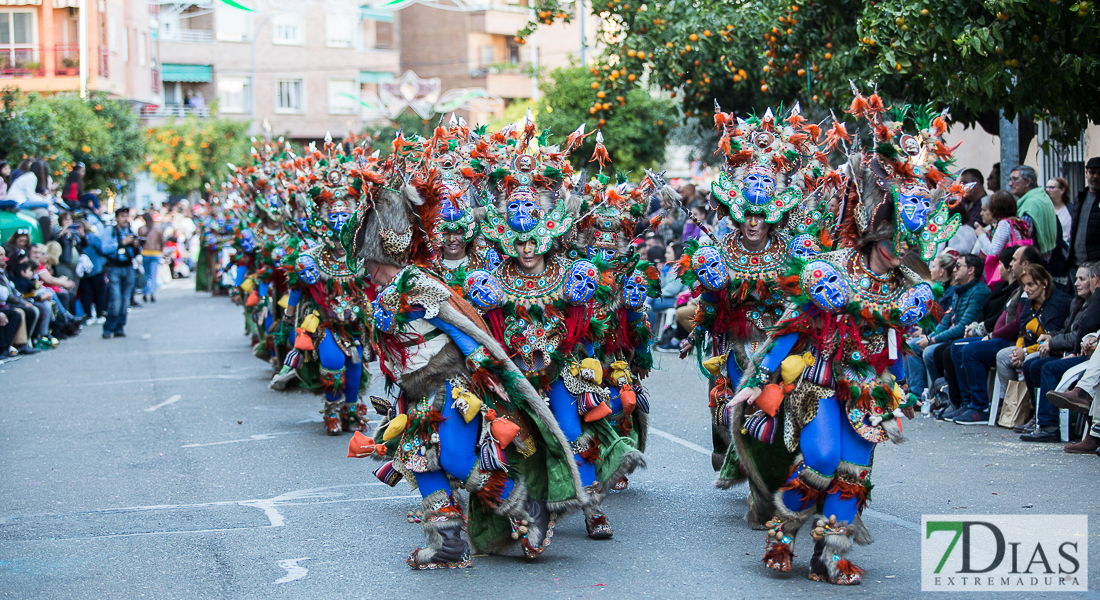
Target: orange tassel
x,y
858,106
770,399
302,341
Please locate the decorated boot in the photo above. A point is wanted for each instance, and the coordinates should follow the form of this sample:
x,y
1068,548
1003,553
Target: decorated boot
x,y
531,520
353,416
832,540
333,422
443,524
804,490
595,521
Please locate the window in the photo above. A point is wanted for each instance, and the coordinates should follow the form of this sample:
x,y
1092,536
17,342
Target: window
x,y
234,95
141,48
383,35
125,44
486,56
232,24
288,97
339,31
287,29
342,96
17,41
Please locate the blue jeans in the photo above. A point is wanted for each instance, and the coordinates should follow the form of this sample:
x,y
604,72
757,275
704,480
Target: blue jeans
x,y
656,311
976,360
120,286
152,265
1045,373
921,370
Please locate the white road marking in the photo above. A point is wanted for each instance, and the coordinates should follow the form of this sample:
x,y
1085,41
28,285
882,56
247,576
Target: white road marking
x,y
679,440
171,400
146,336
257,437
293,571
911,526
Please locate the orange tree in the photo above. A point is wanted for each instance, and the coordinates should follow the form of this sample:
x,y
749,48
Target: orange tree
x,y
1039,59
186,155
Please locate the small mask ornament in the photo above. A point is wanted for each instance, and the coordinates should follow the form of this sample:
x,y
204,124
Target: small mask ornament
x,y
759,186
914,205
248,241
523,211
580,282
604,254
826,285
914,303
383,319
307,269
278,254
635,287
709,268
492,259
804,246
483,290
337,219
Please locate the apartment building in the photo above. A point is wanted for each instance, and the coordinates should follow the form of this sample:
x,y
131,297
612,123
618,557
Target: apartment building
x,y
39,47
470,44
298,67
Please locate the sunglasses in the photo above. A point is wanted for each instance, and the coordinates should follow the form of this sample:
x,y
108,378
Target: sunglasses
x,y
22,232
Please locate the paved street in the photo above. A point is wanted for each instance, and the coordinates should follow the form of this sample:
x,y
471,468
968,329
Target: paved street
x,y
161,466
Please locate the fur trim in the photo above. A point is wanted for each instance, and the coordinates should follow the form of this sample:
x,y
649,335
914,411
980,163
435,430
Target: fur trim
x,y
535,403
427,380
860,534
893,431
761,503
641,425
631,460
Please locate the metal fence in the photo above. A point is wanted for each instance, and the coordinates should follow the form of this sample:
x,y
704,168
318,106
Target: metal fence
x,y
1064,160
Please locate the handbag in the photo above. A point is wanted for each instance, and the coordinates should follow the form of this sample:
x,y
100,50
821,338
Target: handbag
x,y
1016,407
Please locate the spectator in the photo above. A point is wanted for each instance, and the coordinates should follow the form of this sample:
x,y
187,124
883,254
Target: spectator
x,y
971,295
26,285
1034,204
692,231
1058,190
1082,398
73,190
1044,312
152,238
62,287
12,301
5,173
119,248
23,167
29,193
993,182
995,312
671,288
974,199
1086,217
69,236
1060,352
1008,231
942,269
93,283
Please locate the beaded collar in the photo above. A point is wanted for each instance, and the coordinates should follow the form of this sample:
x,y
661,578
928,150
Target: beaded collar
x,y
527,289
332,267
745,264
879,290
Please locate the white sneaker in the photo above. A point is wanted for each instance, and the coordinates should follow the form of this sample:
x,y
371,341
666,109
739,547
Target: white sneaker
x,y
100,320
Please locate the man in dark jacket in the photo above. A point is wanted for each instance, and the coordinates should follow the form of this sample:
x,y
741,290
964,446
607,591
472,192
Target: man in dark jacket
x,y
970,297
1086,218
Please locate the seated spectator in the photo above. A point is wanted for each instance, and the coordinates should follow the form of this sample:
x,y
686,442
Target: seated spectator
x,y
1060,352
692,231
1008,231
942,269
27,286
15,307
971,295
999,317
671,288
1034,205
1082,398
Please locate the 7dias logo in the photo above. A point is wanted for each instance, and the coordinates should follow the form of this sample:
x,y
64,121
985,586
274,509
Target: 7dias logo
x,y
1041,553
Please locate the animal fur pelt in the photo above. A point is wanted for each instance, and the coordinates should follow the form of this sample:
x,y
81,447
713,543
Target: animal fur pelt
x,y
424,381
535,403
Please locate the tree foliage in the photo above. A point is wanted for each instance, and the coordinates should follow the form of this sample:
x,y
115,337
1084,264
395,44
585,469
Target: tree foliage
x,y
636,138
1035,58
62,129
189,154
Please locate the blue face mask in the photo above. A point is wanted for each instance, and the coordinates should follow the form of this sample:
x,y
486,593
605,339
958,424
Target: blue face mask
x,y
604,254
492,259
914,211
338,219
580,282
827,286
634,290
248,243
759,187
709,268
483,290
523,212
307,270
914,303
804,246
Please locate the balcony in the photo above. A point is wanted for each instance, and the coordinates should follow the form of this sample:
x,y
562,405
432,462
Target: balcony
x,y
509,85
21,62
500,20
66,60
187,36
173,111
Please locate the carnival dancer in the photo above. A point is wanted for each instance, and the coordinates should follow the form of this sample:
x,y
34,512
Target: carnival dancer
x,y
831,378
771,186
544,317
464,411
333,281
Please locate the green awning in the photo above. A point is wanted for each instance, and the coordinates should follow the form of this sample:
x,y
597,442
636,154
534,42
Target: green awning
x,y
187,73
375,76
374,14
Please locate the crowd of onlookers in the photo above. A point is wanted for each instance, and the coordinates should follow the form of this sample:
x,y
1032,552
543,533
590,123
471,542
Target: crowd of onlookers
x,y
67,264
